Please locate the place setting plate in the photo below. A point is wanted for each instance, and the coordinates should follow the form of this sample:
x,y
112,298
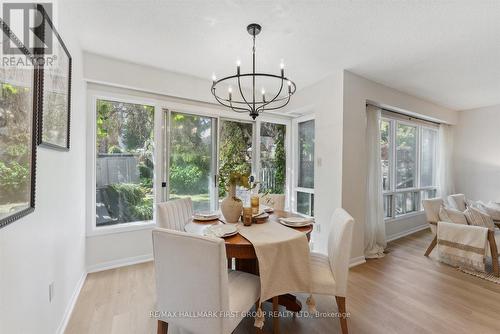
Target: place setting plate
x,y
221,230
206,216
296,221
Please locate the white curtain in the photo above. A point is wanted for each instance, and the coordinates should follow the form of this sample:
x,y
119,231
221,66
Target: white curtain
x,y
375,241
444,164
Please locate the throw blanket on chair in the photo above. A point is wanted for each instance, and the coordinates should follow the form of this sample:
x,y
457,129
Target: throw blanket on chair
x,y
462,245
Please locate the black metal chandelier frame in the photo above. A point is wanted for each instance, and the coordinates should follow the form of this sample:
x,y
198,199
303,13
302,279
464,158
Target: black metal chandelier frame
x,y
251,105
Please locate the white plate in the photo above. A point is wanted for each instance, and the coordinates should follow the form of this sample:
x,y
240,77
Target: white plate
x,y
206,216
296,221
221,231
261,214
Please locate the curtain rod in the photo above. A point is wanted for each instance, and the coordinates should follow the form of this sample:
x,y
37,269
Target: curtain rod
x,y
404,115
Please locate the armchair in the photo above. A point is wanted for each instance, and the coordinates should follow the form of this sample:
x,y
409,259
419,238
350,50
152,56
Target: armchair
x,y
431,208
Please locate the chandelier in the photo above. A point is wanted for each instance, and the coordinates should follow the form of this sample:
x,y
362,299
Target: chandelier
x,y
250,102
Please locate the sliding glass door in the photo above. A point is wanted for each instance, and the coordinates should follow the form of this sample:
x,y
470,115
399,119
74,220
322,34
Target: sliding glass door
x,y
201,151
191,159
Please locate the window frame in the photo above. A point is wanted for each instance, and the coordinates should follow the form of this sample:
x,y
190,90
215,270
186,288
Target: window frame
x,y
92,228
394,121
295,128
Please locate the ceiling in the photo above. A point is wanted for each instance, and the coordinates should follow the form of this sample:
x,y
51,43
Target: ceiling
x,y
447,52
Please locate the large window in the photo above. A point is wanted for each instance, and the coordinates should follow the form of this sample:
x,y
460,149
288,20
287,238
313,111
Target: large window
x,y
408,159
124,162
305,180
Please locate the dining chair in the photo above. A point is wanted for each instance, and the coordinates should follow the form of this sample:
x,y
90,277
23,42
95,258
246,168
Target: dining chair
x,y
275,201
431,209
457,201
174,214
192,278
329,272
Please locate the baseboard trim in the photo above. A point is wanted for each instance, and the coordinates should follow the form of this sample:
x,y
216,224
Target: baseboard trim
x,y
71,305
407,232
356,261
119,263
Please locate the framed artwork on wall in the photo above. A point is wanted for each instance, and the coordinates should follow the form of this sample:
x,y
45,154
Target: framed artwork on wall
x,y
55,83
18,131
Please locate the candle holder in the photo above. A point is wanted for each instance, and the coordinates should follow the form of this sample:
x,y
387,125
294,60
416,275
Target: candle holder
x,y
254,202
247,216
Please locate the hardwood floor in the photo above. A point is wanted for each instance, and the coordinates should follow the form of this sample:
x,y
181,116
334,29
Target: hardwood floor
x,y
404,292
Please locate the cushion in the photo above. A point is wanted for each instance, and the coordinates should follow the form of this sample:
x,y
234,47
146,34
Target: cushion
x,y
493,209
452,216
478,218
457,201
323,281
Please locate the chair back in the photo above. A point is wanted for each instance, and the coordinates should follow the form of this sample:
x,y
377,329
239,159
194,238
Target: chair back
x,y
457,201
431,208
174,214
195,282
275,201
339,248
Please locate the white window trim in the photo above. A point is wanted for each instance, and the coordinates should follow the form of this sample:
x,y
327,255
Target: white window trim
x,y
92,229
162,105
394,121
295,158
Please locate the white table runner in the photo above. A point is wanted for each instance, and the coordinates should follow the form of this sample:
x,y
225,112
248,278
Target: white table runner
x,y
283,256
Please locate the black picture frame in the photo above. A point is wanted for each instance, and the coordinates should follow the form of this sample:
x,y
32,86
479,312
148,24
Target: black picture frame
x,y
8,36
47,27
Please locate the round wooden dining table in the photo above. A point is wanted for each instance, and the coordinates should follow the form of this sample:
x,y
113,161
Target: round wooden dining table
x,y
243,252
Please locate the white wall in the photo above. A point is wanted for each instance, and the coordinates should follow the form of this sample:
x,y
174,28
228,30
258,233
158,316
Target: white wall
x,y
101,69
477,153
324,100
357,91
49,244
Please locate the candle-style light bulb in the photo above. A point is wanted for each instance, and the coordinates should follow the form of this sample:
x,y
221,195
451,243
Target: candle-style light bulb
x,y
238,64
214,78
263,95
230,91
289,86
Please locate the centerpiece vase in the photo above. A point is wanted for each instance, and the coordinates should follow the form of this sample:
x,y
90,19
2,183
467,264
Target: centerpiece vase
x,y
231,206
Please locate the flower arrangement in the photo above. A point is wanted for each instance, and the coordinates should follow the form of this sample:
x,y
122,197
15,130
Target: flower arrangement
x,y
242,180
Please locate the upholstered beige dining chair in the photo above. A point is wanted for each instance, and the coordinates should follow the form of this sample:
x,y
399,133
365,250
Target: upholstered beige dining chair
x,y
275,201
329,272
457,202
431,209
192,277
174,214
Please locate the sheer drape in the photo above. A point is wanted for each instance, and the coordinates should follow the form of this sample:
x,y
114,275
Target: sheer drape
x,y
375,241
444,164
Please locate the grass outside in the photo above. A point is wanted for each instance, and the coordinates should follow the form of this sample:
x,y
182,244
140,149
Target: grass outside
x,y
201,202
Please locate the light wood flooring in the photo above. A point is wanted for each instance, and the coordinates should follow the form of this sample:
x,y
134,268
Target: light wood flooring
x,y
404,292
